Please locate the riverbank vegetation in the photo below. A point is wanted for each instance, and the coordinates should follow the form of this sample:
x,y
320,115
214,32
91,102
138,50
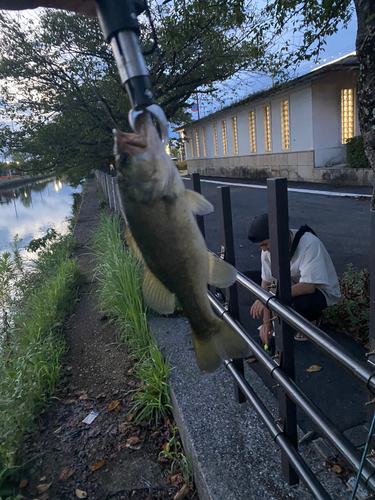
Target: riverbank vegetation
x,y
119,278
34,301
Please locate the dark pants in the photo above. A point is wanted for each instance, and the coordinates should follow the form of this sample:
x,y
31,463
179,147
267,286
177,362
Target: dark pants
x,y
309,306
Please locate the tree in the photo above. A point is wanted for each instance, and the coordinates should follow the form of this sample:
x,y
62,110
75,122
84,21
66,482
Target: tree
x,y
59,82
317,20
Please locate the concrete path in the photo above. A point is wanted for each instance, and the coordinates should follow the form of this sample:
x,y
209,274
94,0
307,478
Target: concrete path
x,y
234,456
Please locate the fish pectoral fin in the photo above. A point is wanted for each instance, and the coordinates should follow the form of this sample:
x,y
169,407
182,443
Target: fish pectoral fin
x,y
156,295
220,273
198,203
130,241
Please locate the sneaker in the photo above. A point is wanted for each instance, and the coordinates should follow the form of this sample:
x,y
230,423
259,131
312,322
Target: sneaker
x,y
300,339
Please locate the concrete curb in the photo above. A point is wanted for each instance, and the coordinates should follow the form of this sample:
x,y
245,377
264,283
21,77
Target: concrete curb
x,y
233,456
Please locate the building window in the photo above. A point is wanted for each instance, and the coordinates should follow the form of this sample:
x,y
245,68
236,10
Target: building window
x,y
224,134
191,145
285,124
347,114
215,139
204,142
267,128
197,143
253,148
234,135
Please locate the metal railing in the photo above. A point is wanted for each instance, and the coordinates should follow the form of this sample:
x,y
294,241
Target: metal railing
x,y
281,366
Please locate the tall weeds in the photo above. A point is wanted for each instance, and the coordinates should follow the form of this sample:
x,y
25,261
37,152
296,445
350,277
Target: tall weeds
x,y
119,287
31,350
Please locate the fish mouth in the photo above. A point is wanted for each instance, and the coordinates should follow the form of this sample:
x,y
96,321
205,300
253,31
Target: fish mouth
x,y
127,143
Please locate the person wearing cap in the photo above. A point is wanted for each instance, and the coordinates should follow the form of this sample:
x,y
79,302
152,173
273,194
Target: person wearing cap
x,y
314,280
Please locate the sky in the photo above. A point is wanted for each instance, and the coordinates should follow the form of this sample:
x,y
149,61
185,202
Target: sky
x,y
338,45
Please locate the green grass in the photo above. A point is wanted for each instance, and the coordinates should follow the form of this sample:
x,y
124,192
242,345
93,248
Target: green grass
x,y
119,278
30,358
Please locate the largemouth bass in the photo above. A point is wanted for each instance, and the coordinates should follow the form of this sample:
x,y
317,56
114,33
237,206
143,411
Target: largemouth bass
x,y
162,233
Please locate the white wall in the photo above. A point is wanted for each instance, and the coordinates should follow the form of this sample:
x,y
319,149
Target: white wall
x,y
326,96
300,123
301,120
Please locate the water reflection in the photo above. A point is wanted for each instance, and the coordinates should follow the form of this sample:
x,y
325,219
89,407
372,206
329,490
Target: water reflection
x,y
30,210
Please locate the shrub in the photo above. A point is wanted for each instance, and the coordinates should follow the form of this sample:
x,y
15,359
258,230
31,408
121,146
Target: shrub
x,y
181,165
355,153
352,312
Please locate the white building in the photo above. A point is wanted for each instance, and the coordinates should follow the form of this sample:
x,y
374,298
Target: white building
x,y
296,130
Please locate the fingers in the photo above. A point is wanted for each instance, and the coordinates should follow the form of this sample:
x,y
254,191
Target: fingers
x,y
256,309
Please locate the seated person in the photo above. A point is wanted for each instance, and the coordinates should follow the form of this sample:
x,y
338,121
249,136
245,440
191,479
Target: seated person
x,y
314,280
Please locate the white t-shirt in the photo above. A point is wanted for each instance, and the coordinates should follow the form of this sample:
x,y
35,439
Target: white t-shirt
x,y
311,263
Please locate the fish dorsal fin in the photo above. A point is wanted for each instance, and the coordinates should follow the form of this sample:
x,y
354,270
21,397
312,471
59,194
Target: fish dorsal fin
x,y
156,295
130,241
198,203
220,273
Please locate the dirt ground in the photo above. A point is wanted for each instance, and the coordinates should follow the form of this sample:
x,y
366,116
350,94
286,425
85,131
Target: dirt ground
x,y
109,458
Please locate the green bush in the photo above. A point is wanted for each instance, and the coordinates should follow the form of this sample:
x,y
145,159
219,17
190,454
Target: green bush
x,y
352,312
355,153
181,165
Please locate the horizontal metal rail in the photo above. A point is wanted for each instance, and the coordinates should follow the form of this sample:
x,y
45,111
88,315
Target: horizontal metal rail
x,y
362,372
295,459
325,426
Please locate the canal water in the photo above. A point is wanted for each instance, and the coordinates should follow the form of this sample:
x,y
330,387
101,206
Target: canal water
x,y
30,210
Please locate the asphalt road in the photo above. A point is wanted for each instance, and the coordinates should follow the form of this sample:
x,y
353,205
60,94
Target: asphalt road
x,y
343,225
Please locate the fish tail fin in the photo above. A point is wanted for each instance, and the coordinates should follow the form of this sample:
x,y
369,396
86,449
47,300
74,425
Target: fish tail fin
x,y
219,342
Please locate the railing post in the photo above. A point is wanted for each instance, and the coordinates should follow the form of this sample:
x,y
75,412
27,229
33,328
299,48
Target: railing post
x,y
372,286
227,253
197,188
277,195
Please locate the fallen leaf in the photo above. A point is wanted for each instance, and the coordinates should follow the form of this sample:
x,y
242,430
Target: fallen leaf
x,y
113,432
177,479
83,397
166,446
131,370
313,368
81,494
74,423
130,417
23,483
122,428
336,469
57,431
43,478
45,496
251,360
182,493
42,488
66,473
98,465
154,434
100,396
117,409
132,440
113,405
115,392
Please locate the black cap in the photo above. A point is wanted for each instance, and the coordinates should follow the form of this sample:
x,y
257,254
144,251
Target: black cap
x,y
257,229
